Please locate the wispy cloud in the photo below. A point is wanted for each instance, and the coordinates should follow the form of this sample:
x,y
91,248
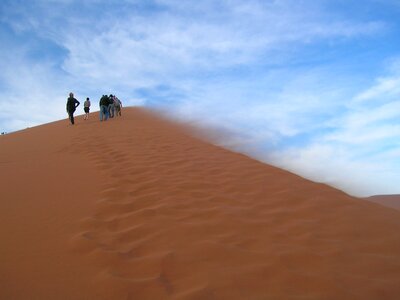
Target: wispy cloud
x,y
362,145
385,87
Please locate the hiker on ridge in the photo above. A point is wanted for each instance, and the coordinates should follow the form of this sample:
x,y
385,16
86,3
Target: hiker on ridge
x,y
111,106
118,106
103,108
86,108
72,104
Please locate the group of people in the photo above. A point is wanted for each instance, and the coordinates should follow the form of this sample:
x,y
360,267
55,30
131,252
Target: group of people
x,y
110,106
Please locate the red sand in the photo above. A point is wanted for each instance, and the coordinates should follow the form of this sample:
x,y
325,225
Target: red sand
x,y
392,201
137,208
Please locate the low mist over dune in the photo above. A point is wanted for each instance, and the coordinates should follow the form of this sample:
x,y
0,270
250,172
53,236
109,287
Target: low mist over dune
x,y
138,208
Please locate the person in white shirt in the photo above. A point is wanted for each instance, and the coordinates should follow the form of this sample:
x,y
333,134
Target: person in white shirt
x,y
86,108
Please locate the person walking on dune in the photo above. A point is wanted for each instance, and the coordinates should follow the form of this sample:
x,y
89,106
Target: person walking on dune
x,y
72,104
111,107
118,106
86,108
103,108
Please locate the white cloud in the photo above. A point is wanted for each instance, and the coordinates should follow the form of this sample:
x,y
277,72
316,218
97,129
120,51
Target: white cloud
x,y
384,87
361,155
338,167
190,37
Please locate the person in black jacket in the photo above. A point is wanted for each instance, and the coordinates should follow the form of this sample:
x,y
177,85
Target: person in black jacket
x,y
72,104
104,101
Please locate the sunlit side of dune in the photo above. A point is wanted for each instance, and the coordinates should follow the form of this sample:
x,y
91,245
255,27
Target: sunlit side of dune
x,y
138,208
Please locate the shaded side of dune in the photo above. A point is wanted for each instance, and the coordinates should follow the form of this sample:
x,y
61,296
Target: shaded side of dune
x,y
158,214
392,201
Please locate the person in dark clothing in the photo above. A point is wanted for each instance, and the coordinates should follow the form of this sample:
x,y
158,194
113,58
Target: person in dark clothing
x,y
111,108
103,108
72,104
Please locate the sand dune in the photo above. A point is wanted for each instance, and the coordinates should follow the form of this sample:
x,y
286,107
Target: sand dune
x,y
137,208
392,201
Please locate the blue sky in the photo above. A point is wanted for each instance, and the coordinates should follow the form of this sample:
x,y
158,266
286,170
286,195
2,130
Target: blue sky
x,y
311,86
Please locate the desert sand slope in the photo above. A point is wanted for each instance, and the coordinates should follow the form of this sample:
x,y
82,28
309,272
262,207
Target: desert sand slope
x,y
136,208
392,201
